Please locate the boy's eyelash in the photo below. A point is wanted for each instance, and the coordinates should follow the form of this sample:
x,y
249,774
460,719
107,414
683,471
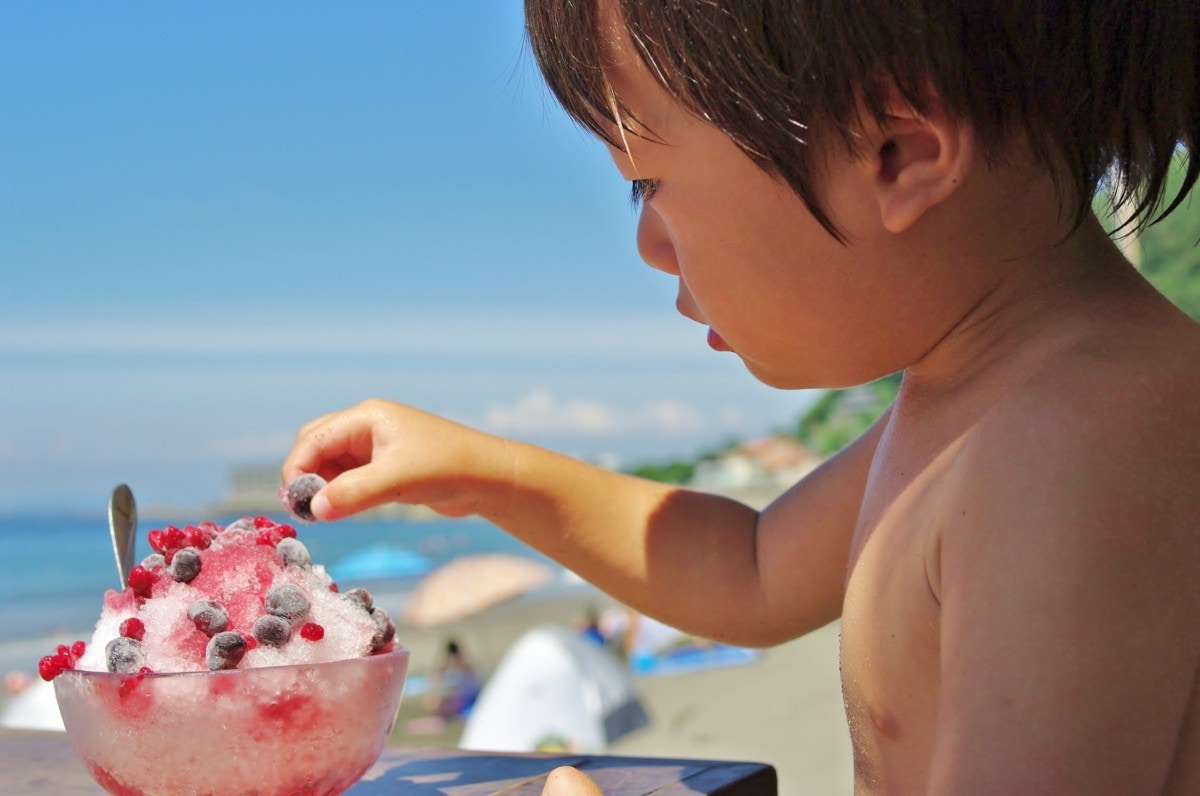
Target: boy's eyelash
x,y
641,191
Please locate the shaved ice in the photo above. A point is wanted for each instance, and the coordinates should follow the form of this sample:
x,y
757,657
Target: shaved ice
x,y
230,664
213,598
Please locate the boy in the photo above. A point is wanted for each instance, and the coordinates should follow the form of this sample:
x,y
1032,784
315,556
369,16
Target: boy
x,y
844,191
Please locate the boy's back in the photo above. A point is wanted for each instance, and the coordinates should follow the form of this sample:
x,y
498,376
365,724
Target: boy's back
x,y
1025,572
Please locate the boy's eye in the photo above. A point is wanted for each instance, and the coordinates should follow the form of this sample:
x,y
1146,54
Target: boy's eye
x,y
641,191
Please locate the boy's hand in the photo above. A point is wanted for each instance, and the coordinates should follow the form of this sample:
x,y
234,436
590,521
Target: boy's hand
x,y
567,781
379,452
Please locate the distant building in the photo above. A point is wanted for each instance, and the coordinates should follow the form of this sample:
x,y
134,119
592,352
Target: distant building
x,y
756,472
252,490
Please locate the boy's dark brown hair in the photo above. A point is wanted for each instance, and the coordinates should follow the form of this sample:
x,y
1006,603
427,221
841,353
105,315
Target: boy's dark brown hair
x,y
1108,89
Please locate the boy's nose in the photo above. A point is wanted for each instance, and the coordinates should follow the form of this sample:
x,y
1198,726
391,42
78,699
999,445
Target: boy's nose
x,y
654,244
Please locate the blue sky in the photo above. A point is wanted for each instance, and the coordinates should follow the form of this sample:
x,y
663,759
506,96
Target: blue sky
x,y
219,220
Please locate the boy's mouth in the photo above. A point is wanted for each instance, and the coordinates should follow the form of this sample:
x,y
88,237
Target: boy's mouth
x,y
716,342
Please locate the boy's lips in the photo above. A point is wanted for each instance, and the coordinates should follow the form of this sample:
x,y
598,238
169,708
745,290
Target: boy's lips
x,y
716,342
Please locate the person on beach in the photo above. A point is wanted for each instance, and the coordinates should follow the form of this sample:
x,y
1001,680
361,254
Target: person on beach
x,y
454,686
848,190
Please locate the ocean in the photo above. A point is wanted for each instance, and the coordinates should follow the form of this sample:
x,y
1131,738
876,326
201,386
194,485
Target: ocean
x,y
54,569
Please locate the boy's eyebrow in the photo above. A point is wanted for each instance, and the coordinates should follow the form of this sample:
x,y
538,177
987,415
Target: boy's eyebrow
x,y
627,122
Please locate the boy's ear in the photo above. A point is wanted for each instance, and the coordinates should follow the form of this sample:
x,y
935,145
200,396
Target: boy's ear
x,y
917,160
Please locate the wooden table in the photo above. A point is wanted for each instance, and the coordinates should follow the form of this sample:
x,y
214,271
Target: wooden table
x,y
44,763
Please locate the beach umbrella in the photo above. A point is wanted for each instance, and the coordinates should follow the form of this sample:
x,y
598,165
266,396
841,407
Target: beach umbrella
x,y
379,562
470,585
554,690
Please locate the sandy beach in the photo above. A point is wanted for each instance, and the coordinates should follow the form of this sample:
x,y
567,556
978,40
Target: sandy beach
x,y
784,708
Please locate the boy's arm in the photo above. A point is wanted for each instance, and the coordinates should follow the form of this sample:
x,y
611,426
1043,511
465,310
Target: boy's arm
x,y
1070,591
703,563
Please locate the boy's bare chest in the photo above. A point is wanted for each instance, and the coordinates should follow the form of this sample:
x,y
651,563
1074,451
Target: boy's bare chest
x,y
890,620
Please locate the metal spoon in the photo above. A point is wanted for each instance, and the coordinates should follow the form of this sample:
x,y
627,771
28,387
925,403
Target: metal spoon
x,y
122,526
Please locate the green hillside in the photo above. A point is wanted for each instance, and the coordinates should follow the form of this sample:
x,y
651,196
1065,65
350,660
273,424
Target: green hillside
x,y
1170,254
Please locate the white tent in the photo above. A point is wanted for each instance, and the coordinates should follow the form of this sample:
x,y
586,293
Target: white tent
x,y
34,708
552,688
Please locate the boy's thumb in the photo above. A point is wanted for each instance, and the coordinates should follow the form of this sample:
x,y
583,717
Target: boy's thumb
x,y
567,781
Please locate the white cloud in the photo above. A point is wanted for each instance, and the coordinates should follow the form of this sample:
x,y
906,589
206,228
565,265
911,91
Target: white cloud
x,y
733,417
670,417
540,412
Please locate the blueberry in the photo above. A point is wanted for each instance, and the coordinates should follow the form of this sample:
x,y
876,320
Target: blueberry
x,y
225,650
209,617
272,630
154,561
293,551
185,565
244,524
360,596
124,655
288,601
385,629
298,495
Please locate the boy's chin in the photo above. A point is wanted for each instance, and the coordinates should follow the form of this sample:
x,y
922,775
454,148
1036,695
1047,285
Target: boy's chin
x,y
780,380
806,379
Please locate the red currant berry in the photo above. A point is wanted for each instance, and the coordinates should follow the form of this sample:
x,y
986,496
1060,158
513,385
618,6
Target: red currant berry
x,y
157,541
133,628
197,537
48,668
77,650
312,631
141,579
333,587
286,530
266,538
263,522
174,537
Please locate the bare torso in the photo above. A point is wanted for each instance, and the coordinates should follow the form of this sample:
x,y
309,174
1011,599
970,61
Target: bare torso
x,y
891,643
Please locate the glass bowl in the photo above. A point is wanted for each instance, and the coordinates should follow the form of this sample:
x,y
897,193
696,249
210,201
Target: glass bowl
x,y
310,729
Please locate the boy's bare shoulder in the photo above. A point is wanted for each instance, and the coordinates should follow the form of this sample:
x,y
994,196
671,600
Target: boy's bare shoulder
x,y
1103,433
1069,525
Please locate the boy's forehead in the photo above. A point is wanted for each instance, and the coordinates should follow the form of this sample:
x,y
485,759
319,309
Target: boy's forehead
x,y
618,58
627,74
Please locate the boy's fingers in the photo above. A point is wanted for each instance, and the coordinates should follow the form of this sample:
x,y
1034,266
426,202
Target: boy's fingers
x,y
567,781
351,492
332,438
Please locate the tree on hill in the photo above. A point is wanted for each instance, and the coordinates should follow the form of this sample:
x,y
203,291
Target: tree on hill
x,y
839,416
1170,250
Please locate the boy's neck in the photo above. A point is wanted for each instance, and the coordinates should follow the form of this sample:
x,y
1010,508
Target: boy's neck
x,y
1034,277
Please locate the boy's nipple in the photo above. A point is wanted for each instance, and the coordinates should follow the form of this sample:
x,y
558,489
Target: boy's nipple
x,y
885,723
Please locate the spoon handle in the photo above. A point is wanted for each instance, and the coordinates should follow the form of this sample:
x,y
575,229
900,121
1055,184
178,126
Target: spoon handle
x,y
122,525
